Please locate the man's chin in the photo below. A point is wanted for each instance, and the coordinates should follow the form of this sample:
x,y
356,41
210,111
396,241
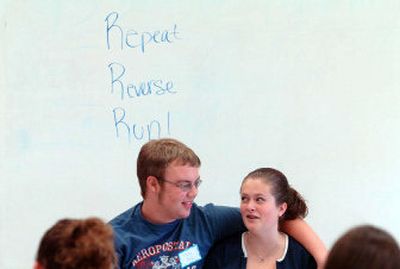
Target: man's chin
x,y
185,214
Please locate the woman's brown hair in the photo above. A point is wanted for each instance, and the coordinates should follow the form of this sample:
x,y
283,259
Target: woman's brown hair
x,y
282,191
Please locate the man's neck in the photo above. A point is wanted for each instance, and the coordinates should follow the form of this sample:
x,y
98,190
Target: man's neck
x,y
153,214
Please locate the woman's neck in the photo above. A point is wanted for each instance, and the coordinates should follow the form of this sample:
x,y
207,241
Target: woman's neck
x,y
265,246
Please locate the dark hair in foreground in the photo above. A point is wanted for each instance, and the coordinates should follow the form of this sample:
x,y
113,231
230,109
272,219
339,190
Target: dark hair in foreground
x,y
364,246
77,244
281,190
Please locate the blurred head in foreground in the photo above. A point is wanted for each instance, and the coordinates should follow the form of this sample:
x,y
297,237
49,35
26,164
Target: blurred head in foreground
x,y
77,243
364,246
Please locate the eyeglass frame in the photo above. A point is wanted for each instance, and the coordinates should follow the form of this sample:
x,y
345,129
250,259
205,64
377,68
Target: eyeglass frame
x,y
184,185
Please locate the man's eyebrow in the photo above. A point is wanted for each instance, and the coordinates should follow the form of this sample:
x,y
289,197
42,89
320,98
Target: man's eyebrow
x,y
186,180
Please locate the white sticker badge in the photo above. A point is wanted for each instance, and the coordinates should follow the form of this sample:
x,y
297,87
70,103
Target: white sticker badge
x,y
189,256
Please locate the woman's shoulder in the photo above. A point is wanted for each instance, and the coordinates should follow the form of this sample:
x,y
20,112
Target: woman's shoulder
x,y
296,247
297,256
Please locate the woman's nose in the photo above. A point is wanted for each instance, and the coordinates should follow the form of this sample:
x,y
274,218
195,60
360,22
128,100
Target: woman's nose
x,y
250,206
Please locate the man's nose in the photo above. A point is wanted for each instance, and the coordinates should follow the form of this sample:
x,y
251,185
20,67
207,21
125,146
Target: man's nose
x,y
193,191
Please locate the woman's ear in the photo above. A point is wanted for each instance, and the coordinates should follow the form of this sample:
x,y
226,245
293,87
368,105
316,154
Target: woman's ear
x,y
282,209
37,265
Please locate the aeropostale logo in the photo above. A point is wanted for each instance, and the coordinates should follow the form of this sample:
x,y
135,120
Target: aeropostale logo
x,y
155,250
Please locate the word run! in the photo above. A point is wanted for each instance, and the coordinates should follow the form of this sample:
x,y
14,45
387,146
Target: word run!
x,y
150,130
132,39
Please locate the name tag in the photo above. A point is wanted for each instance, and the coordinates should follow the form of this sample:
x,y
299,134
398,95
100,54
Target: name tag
x,y
189,256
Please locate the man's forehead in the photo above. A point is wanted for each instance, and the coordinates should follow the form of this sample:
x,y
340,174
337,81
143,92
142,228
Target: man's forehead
x,y
181,162
183,170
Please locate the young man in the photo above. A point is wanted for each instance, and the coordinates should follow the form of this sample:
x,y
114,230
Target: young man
x,y
167,229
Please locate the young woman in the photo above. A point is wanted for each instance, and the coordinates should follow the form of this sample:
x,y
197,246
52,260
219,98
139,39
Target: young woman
x,y
266,200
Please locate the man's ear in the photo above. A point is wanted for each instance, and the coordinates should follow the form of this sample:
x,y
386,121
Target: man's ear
x,y
152,184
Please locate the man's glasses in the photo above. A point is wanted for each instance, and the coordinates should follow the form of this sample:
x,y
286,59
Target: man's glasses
x,y
184,185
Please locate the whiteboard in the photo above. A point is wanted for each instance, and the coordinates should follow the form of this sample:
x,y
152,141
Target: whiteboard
x,y
310,88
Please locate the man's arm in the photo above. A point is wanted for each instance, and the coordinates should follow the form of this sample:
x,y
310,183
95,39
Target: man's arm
x,y
305,235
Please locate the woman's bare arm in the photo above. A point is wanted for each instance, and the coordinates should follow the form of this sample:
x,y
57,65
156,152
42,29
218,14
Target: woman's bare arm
x,y
302,232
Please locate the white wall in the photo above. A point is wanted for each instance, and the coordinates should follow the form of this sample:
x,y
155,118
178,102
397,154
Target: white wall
x,y
309,88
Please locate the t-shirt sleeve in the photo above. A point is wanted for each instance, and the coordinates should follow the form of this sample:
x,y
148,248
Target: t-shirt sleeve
x,y
226,253
225,221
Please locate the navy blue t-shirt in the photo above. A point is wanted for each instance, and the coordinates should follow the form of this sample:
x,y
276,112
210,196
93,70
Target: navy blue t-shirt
x,y
229,254
183,243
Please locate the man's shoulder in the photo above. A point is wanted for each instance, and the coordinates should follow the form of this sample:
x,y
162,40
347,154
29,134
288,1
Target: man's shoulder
x,y
124,217
231,242
217,217
211,208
